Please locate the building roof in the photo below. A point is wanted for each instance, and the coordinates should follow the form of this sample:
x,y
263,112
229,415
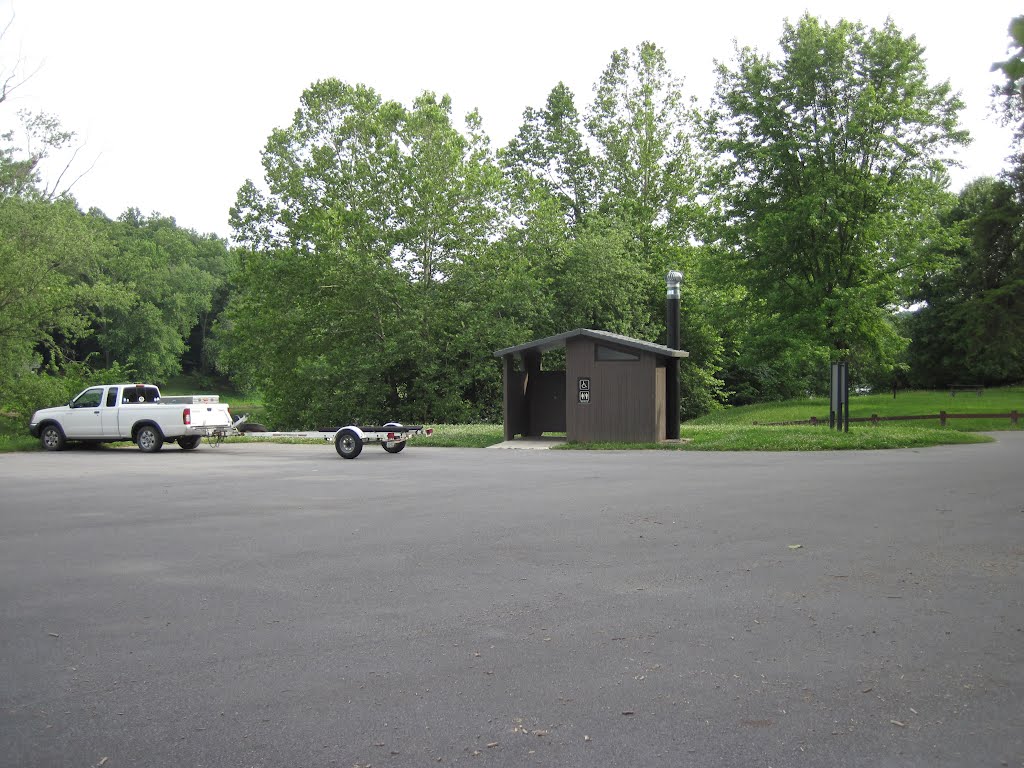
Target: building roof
x,y
554,342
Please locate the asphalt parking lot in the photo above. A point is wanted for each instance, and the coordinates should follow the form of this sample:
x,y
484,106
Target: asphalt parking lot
x,y
274,605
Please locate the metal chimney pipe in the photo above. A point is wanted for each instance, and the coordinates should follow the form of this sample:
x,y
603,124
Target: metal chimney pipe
x,y
672,282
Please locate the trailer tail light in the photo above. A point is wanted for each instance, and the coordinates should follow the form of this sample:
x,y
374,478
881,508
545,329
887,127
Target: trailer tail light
x,y
186,416
391,435
430,431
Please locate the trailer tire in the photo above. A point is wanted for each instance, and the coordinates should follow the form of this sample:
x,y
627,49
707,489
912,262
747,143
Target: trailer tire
x,y
189,443
348,444
251,426
394,447
149,439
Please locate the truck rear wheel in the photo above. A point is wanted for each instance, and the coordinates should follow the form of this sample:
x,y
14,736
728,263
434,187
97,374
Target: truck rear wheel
x,y
52,437
348,444
189,443
149,439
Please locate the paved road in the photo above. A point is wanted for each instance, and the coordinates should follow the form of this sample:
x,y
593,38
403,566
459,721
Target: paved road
x,y
274,605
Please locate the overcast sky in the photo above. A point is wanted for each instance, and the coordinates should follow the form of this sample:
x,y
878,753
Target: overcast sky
x,y
174,101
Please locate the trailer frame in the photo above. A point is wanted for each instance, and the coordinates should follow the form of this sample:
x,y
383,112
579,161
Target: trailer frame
x,y
348,441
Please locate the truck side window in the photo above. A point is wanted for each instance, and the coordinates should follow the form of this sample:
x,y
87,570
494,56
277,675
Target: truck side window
x,y
91,398
111,397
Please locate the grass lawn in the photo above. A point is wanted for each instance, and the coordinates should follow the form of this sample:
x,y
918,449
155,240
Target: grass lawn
x,y
733,429
14,435
918,402
730,429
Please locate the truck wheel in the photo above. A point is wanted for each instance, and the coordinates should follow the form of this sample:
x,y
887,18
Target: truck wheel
x,y
189,443
52,438
394,447
149,439
348,444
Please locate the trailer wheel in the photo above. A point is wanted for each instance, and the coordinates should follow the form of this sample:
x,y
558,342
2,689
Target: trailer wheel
x,y
189,443
394,447
149,439
52,437
348,444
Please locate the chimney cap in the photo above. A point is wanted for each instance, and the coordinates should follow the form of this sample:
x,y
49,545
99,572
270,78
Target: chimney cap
x,y
672,281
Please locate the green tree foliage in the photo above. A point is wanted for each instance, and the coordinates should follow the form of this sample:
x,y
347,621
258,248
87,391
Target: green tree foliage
x,y
373,212
73,285
1010,101
970,329
159,282
47,257
550,155
607,206
1013,67
830,178
646,169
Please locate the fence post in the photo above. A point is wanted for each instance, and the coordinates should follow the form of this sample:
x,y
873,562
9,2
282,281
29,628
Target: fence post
x,y
942,418
1013,418
814,421
874,418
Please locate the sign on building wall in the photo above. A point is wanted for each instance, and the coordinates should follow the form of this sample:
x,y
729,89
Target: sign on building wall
x,y
584,391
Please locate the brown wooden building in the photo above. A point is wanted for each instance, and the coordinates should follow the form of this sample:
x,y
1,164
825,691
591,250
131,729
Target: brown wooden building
x,y
612,389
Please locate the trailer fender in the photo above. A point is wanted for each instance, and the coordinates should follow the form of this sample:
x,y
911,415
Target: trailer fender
x,y
359,433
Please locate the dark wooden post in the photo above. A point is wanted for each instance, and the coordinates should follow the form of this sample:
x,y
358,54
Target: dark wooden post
x,y
512,396
1013,418
531,368
942,418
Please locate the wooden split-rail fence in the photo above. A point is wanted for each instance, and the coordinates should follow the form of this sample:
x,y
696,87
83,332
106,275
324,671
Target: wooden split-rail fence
x,y
942,416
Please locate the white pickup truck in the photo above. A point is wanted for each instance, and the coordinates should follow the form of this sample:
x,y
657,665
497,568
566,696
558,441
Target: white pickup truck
x,y
136,412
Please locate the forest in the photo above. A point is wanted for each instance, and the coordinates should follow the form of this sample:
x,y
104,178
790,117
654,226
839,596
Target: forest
x,y
389,248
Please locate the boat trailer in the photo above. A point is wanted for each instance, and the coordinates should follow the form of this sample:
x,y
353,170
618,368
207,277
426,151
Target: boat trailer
x,y
348,441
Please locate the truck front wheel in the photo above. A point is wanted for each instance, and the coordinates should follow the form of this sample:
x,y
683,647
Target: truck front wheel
x,y
52,437
149,439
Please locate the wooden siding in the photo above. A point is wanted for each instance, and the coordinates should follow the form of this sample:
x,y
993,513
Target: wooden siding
x,y
627,398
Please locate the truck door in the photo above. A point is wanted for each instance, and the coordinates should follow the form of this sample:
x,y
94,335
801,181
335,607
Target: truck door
x,y
109,412
83,419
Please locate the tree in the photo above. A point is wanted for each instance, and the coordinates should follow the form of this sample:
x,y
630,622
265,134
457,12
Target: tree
x,y
1010,101
647,169
47,257
969,330
154,285
830,176
551,152
372,210
648,174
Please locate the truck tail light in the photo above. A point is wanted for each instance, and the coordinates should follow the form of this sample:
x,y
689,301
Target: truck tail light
x,y
186,416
